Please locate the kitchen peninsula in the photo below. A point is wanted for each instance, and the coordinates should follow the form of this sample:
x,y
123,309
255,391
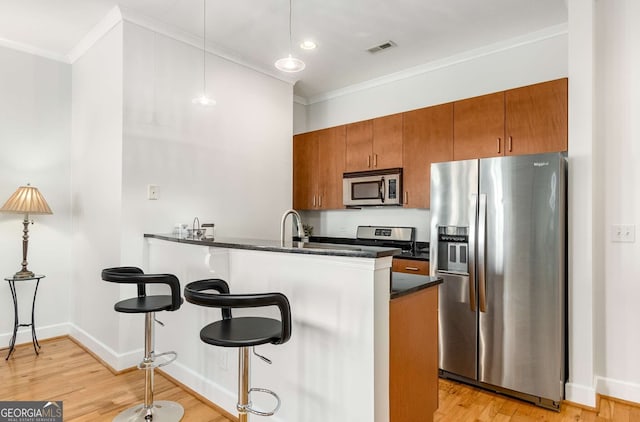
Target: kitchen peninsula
x,y
336,365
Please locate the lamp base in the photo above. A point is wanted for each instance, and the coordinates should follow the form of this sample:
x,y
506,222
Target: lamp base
x,y
23,274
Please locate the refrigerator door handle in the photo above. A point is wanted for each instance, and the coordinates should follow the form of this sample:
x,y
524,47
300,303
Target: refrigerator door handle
x,y
482,235
472,252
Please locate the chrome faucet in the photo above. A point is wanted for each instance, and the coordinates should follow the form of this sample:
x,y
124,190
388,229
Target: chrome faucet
x,y
296,216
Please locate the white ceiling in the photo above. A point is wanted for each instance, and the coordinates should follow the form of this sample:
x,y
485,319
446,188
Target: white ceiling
x,y
255,32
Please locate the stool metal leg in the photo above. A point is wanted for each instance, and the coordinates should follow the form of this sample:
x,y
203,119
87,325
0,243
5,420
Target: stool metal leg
x,y
244,405
157,411
244,367
148,361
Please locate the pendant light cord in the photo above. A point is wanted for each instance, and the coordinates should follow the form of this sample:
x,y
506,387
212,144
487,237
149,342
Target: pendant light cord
x,y
204,50
290,36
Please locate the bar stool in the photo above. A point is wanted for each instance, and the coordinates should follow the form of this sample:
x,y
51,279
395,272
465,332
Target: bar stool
x,y
151,410
242,332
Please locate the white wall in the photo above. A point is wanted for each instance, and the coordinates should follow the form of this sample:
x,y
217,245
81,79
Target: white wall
x,y
584,245
35,136
230,164
618,155
97,179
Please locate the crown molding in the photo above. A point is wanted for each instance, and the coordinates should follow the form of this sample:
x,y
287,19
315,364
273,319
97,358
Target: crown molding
x,y
533,37
300,100
111,19
29,49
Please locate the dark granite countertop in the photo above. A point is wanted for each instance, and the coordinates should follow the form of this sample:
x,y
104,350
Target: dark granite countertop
x,y
312,248
416,256
403,284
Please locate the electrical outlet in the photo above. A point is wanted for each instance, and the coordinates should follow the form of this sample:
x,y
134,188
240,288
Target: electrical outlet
x,y
153,191
623,233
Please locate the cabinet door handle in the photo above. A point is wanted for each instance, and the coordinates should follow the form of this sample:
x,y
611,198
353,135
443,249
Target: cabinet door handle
x,y
314,201
412,268
406,197
510,140
368,161
319,200
498,144
375,160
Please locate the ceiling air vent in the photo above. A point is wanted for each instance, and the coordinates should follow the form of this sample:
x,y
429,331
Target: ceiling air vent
x,y
384,46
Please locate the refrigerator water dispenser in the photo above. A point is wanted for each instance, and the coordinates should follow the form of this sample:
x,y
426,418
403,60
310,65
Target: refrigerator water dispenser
x,y
453,249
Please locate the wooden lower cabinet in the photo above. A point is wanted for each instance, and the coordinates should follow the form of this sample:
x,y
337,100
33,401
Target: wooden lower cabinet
x,y
413,356
410,266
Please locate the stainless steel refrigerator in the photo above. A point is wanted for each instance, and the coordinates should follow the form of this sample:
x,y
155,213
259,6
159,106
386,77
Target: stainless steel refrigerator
x,y
498,239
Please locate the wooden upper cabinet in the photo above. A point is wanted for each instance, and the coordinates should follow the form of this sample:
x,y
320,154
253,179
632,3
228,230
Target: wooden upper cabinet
x,y
527,120
374,144
318,164
536,118
330,161
387,142
359,146
479,127
427,138
305,170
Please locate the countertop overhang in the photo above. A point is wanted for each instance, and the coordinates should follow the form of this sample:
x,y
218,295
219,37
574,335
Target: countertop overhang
x,y
355,251
403,284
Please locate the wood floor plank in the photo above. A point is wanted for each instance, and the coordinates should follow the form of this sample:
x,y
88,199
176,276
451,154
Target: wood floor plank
x,y
91,392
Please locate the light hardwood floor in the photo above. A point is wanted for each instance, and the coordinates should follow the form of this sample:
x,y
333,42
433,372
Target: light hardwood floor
x,y
90,392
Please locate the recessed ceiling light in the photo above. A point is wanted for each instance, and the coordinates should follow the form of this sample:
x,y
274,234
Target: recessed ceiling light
x,y
308,45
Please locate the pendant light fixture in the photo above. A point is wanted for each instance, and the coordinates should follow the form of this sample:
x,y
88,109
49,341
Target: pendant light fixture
x,y
204,99
290,64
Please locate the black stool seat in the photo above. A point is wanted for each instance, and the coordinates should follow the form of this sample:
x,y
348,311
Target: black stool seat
x,y
239,331
144,304
242,332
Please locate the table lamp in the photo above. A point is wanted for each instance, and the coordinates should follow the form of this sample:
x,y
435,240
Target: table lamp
x,y
26,200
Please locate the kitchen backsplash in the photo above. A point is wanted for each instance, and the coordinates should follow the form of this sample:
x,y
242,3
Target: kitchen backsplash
x,y
343,223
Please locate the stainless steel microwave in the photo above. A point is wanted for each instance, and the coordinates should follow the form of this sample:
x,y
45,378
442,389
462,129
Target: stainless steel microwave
x,y
372,188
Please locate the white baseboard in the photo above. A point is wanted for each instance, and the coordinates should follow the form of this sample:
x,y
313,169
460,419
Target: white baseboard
x,y
580,394
211,391
24,333
117,361
618,389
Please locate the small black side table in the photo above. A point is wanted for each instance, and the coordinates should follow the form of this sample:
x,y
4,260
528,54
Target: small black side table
x,y
12,285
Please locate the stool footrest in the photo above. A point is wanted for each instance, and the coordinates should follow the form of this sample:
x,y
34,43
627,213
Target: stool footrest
x,y
153,364
250,409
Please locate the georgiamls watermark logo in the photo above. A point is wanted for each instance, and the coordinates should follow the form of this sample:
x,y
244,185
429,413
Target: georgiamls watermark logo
x,y
30,411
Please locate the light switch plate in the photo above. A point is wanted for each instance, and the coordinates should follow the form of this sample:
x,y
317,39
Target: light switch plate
x,y
623,233
153,192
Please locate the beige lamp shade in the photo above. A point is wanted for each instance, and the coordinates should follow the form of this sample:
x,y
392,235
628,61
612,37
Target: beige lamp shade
x,y
27,200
